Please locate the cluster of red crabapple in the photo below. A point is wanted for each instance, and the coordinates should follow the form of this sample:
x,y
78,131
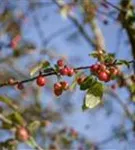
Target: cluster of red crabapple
x,y
105,72
61,86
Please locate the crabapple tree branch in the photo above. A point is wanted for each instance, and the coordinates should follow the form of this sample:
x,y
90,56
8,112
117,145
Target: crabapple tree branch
x,y
48,72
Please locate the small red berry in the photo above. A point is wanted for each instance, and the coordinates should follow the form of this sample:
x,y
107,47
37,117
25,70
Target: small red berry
x,y
70,72
114,71
94,67
60,63
80,80
22,134
13,44
41,81
58,92
107,71
20,86
15,41
64,71
57,86
65,85
103,76
102,67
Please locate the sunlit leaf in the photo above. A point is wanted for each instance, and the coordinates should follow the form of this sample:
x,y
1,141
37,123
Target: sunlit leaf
x,y
93,96
38,67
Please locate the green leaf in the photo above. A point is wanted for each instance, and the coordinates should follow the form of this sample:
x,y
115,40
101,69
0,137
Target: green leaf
x,y
93,96
33,126
66,140
7,123
130,16
89,81
16,118
109,58
46,64
8,101
38,67
5,16
133,98
94,55
56,68
132,88
16,52
9,144
123,62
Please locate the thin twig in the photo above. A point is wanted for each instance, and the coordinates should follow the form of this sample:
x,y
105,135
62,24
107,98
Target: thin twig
x,y
114,6
49,72
43,74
